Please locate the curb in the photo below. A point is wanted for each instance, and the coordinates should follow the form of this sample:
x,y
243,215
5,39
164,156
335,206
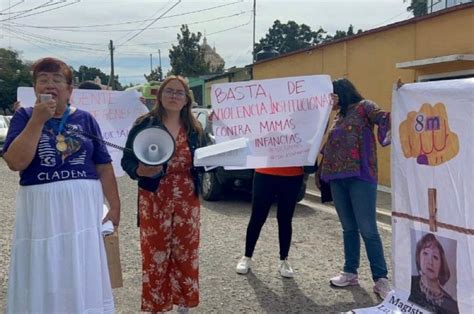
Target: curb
x,y
383,215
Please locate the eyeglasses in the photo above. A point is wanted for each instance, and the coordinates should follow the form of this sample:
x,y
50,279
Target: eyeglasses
x,y
176,93
56,80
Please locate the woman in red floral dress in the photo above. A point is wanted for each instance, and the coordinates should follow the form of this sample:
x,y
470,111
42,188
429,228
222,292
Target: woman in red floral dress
x,y
168,202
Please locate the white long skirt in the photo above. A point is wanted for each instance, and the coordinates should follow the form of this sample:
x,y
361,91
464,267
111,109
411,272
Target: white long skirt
x,y
58,262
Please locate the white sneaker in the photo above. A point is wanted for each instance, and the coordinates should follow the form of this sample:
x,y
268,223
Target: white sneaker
x,y
285,269
182,309
382,287
243,265
344,280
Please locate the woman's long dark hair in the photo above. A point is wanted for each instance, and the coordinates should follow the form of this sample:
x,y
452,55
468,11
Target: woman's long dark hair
x,y
347,93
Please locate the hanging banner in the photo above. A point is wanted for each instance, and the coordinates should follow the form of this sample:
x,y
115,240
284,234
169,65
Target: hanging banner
x,y
115,111
432,198
282,119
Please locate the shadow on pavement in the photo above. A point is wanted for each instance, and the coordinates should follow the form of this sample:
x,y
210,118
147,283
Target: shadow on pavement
x,y
293,299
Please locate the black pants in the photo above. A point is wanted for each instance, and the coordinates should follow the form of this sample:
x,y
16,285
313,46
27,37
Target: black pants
x,y
267,188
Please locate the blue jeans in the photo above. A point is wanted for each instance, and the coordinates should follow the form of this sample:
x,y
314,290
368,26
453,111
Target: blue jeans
x,y
355,205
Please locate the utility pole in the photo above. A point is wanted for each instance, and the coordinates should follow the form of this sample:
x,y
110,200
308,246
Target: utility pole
x,y
159,60
254,15
112,75
151,62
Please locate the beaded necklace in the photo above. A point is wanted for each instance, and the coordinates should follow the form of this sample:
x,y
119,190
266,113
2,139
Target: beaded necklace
x,y
431,297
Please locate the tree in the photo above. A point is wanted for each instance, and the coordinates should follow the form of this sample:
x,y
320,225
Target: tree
x,y
13,74
341,34
186,58
155,75
418,7
289,37
86,73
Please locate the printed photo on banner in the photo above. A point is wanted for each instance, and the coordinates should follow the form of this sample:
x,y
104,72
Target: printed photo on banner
x,y
433,280
283,119
115,112
432,170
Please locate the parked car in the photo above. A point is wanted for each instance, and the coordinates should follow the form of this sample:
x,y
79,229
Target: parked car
x,y
7,119
4,123
218,180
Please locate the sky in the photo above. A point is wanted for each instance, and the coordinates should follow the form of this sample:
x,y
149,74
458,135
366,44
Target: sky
x,y
78,31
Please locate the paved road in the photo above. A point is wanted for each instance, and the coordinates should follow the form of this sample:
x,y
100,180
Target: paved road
x,y
316,254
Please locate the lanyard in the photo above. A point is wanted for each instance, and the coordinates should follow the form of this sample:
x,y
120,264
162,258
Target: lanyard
x,y
58,127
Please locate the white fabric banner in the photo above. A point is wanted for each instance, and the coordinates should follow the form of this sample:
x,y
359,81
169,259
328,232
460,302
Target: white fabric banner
x,y
433,195
115,112
283,119
432,199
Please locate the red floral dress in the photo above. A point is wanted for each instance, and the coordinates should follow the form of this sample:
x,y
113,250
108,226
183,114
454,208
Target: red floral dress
x,y
169,236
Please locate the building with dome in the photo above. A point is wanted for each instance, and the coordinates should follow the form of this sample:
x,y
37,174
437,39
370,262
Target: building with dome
x,y
211,56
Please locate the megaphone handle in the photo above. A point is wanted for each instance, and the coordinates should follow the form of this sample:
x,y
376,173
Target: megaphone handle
x,y
98,139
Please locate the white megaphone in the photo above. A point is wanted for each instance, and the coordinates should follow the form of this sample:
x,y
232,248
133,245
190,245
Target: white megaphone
x,y
153,146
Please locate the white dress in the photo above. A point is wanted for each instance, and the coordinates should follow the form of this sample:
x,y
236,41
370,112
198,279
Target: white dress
x,y
58,262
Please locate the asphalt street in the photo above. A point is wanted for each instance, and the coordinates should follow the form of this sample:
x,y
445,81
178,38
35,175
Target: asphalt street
x,y
316,255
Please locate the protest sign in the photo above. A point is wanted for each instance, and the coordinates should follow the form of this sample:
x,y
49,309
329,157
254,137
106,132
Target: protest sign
x,y
115,111
432,197
283,119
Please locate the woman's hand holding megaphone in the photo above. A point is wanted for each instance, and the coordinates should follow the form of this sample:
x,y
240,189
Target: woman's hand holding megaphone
x,y
148,171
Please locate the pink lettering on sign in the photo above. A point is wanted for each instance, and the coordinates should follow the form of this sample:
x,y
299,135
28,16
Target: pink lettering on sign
x,y
295,87
238,130
239,112
250,91
92,98
277,140
277,126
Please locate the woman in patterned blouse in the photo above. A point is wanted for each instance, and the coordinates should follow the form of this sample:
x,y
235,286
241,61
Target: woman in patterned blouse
x,y
349,165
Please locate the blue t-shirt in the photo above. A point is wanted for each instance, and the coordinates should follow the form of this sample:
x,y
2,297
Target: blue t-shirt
x,y
50,165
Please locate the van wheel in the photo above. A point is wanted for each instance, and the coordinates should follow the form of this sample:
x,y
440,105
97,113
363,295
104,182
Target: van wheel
x,y
210,186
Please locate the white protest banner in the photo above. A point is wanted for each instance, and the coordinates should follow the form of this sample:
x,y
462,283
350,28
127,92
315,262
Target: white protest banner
x,y
432,199
283,119
433,194
114,111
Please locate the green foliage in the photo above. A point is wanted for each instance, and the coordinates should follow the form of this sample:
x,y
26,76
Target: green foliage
x,y
341,34
418,7
289,37
186,58
13,74
86,73
155,75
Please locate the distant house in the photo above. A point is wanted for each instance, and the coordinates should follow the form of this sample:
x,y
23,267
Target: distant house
x,y
437,5
201,85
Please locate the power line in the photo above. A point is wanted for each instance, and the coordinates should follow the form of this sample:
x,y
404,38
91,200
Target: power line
x,y
388,20
28,40
32,39
29,10
173,41
11,6
153,22
52,41
39,7
131,22
128,30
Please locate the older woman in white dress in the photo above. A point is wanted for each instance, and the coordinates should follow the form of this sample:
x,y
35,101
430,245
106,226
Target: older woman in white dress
x,y
58,262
